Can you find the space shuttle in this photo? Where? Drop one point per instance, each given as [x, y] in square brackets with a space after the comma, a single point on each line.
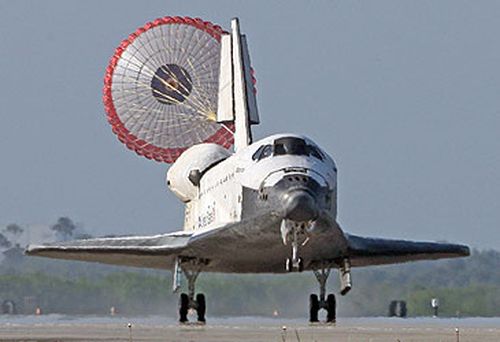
[265, 206]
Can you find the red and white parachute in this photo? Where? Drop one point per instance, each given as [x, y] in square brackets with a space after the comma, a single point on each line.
[161, 85]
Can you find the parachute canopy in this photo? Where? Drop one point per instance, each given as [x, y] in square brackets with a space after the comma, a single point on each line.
[160, 88]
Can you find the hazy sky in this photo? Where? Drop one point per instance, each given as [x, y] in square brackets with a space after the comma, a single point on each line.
[405, 95]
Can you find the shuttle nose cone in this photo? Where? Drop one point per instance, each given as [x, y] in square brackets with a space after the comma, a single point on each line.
[300, 206]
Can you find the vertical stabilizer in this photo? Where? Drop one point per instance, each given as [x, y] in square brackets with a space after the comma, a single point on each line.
[236, 98]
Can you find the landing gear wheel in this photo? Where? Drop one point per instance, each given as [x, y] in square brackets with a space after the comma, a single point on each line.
[300, 265]
[202, 308]
[331, 308]
[183, 308]
[290, 265]
[313, 308]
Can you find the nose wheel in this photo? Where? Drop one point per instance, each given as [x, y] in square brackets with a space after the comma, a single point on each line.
[292, 265]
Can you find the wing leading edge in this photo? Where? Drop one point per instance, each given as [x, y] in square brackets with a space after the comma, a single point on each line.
[371, 251]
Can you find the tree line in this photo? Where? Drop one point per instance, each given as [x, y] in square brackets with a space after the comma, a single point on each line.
[469, 287]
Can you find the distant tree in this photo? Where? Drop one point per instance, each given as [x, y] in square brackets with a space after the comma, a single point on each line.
[64, 227]
[14, 255]
[83, 236]
[4, 242]
[14, 229]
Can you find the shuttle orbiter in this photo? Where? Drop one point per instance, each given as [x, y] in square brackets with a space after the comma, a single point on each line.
[182, 91]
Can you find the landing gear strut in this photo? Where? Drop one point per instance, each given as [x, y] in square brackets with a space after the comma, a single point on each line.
[293, 232]
[191, 268]
[328, 303]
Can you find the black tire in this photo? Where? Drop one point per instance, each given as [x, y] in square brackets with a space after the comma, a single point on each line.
[392, 308]
[401, 309]
[331, 308]
[404, 310]
[183, 308]
[313, 308]
[301, 265]
[201, 307]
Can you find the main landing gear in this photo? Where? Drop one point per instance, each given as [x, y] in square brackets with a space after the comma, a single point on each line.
[325, 302]
[328, 303]
[191, 268]
[296, 233]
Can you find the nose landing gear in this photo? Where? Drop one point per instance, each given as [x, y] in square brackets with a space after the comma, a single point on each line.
[293, 232]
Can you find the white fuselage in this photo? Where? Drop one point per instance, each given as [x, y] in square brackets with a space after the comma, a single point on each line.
[219, 200]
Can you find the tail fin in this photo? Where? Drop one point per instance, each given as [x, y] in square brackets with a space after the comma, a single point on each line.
[236, 101]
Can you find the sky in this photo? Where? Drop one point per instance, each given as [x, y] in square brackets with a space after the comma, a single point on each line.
[405, 96]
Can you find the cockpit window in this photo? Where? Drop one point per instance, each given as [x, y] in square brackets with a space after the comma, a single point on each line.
[266, 152]
[293, 146]
[263, 152]
[296, 146]
[288, 146]
[257, 153]
[315, 152]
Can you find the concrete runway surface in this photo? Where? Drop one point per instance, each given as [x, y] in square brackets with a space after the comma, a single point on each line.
[62, 328]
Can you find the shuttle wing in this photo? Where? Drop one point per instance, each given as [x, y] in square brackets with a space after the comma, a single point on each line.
[243, 247]
[372, 251]
[157, 251]
[230, 248]
[253, 246]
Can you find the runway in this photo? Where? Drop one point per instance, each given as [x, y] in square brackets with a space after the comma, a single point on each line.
[64, 328]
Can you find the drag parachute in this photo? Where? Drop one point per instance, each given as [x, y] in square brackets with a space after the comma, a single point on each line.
[161, 85]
